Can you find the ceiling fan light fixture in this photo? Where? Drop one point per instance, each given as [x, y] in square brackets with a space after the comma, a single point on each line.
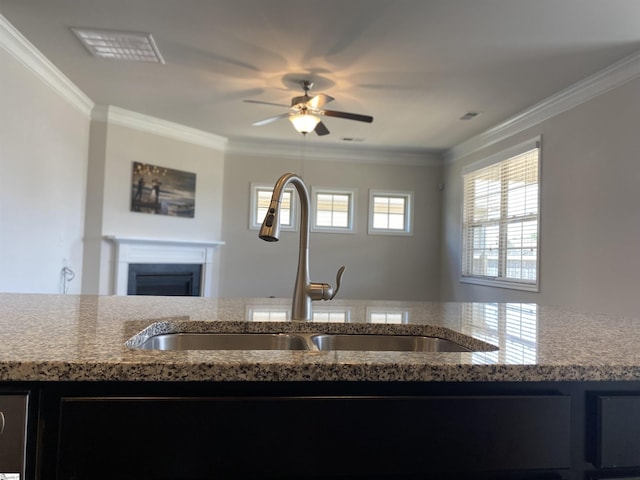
[304, 122]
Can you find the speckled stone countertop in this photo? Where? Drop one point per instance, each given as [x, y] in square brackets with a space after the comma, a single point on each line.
[91, 338]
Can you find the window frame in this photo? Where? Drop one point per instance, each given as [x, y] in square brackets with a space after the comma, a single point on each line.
[255, 223]
[501, 280]
[408, 214]
[351, 209]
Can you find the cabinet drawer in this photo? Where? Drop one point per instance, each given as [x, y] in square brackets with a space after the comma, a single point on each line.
[311, 437]
[618, 431]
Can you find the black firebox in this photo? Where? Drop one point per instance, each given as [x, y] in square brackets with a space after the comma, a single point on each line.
[165, 279]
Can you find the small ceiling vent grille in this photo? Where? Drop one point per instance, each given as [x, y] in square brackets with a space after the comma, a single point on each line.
[469, 115]
[119, 45]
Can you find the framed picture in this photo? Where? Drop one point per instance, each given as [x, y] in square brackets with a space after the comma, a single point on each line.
[162, 191]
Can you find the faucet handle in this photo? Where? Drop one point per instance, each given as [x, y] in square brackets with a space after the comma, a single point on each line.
[338, 281]
[324, 291]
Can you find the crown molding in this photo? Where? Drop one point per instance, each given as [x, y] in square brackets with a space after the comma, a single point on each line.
[13, 42]
[314, 152]
[146, 123]
[580, 92]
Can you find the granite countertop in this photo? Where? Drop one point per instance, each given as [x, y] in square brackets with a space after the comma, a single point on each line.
[82, 338]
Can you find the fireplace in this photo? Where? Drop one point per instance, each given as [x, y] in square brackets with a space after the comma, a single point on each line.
[180, 267]
[169, 279]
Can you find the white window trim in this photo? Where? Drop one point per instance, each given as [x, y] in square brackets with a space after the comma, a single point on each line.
[352, 193]
[408, 218]
[513, 284]
[255, 223]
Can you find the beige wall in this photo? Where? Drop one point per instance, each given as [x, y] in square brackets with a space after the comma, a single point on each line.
[43, 158]
[590, 210]
[126, 145]
[386, 267]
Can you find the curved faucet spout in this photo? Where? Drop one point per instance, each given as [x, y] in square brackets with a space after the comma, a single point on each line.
[270, 229]
[304, 291]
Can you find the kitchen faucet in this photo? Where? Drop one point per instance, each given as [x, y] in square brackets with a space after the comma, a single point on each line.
[304, 291]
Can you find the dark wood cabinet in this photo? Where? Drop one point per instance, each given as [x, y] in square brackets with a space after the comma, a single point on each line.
[333, 430]
[617, 431]
[310, 436]
[13, 433]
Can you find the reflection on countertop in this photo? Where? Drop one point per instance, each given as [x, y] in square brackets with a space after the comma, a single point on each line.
[77, 338]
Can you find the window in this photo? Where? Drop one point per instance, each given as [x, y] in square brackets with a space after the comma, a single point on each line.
[333, 210]
[387, 316]
[331, 315]
[260, 199]
[390, 213]
[268, 314]
[500, 219]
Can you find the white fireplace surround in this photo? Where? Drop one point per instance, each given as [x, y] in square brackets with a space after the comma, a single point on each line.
[154, 251]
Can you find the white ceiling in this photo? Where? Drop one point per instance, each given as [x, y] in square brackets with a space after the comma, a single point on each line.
[416, 66]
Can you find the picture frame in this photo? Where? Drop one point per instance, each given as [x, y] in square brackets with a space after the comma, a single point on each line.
[162, 191]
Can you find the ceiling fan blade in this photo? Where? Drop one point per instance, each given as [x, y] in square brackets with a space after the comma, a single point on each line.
[319, 100]
[348, 116]
[321, 129]
[267, 103]
[259, 123]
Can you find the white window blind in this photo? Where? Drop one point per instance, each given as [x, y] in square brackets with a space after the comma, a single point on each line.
[500, 221]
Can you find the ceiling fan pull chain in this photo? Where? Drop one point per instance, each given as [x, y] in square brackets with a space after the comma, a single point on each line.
[303, 144]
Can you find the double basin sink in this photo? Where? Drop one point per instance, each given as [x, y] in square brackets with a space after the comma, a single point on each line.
[300, 341]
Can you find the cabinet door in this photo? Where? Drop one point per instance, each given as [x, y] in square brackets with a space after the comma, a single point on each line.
[13, 427]
[310, 437]
[618, 432]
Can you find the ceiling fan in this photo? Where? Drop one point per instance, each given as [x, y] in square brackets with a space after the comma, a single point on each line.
[306, 111]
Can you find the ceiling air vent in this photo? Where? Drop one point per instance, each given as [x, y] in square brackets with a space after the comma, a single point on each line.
[469, 115]
[119, 45]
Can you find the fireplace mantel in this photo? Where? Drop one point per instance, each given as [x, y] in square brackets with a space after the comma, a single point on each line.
[147, 250]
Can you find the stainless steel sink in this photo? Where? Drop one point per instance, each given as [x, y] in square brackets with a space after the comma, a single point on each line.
[225, 341]
[380, 343]
[299, 341]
